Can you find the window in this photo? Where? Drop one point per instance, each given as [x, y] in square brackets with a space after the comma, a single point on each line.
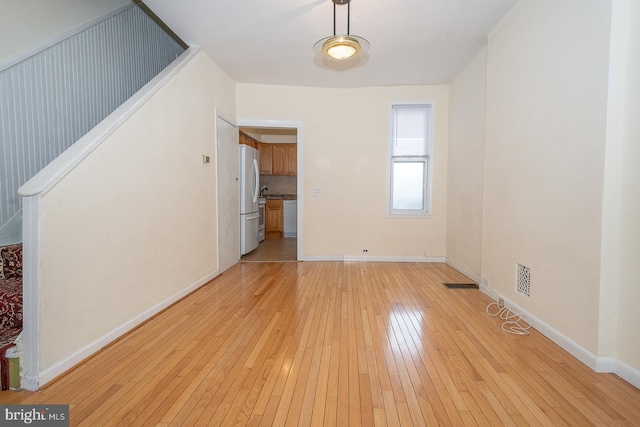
[409, 168]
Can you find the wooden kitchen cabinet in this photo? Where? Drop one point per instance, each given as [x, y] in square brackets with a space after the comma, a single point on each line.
[292, 159]
[274, 219]
[279, 159]
[275, 158]
[284, 159]
[265, 158]
[245, 139]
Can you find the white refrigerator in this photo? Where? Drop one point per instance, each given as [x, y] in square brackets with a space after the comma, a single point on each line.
[249, 192]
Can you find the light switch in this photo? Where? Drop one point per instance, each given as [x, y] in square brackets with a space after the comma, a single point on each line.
[205, 159]
[317, 191]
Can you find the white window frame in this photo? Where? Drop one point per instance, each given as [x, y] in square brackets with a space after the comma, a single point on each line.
[427, 159]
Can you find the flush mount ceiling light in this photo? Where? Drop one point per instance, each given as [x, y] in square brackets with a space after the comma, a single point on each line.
[341, 46]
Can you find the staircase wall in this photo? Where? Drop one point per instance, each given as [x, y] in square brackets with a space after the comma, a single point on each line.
[125, 222]
[50, 100]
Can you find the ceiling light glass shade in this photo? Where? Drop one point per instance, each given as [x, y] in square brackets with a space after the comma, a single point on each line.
[341, 46]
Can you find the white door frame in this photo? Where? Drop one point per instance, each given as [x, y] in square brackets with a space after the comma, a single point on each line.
[290, 124]
[219, 211]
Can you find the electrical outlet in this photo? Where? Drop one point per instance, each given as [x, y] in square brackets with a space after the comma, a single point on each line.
[365, 250]
[500, 302]
[317, 191]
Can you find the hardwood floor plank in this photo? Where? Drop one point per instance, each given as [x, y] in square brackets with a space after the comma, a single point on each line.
[286, 398]
[277, 371]
[342, 410]
[321, 387]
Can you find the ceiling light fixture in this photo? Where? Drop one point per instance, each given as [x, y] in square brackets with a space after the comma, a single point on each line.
[341, 46]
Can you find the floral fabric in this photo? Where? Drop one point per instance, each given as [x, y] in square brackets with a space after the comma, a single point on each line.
[11, 302]
[10, 288]
[11, 260]
[8, 335]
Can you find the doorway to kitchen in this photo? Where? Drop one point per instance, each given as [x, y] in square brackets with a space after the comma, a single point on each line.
[273, 250]
[279, 144]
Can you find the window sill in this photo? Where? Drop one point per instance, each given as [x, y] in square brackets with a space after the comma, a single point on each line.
[396, 214]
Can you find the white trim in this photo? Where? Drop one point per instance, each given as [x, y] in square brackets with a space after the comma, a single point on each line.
[569, 345]
[370, 258]
[224, 117]
[80, 355]
[51, 174]
[597, 364]
[216, 150]
[606, 364]
[23, 56]
[488, 291]
[471, 275]
[561, 340]
[299, 126]
[324, 258]
[627, 373]
[216, 144]
[30, 289]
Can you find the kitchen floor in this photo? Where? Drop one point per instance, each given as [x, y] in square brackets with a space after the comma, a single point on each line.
[284, 249]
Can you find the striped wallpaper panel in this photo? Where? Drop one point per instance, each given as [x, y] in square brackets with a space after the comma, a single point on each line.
[50, 100]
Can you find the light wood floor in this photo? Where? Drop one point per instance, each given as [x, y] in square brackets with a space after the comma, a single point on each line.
[321, 343]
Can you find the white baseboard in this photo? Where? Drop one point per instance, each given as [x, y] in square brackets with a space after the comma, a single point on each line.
[324, 258]
[606, 364]
[29, 382]
[488, 291]
[69, 362]
[561, 340]
[628, 373]
[597, 364]
[371, 258]
[471, 275]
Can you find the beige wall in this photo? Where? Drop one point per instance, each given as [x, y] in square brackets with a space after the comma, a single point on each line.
[466, 166]
[346, 137]
[134, 224]
[25, 24]
[628, 339]
[547, 67]
[224, 95]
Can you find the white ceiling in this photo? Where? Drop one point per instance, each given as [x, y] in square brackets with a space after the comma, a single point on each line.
[413, 42]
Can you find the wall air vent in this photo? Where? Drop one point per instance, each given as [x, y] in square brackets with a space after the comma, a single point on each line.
[523, 279]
